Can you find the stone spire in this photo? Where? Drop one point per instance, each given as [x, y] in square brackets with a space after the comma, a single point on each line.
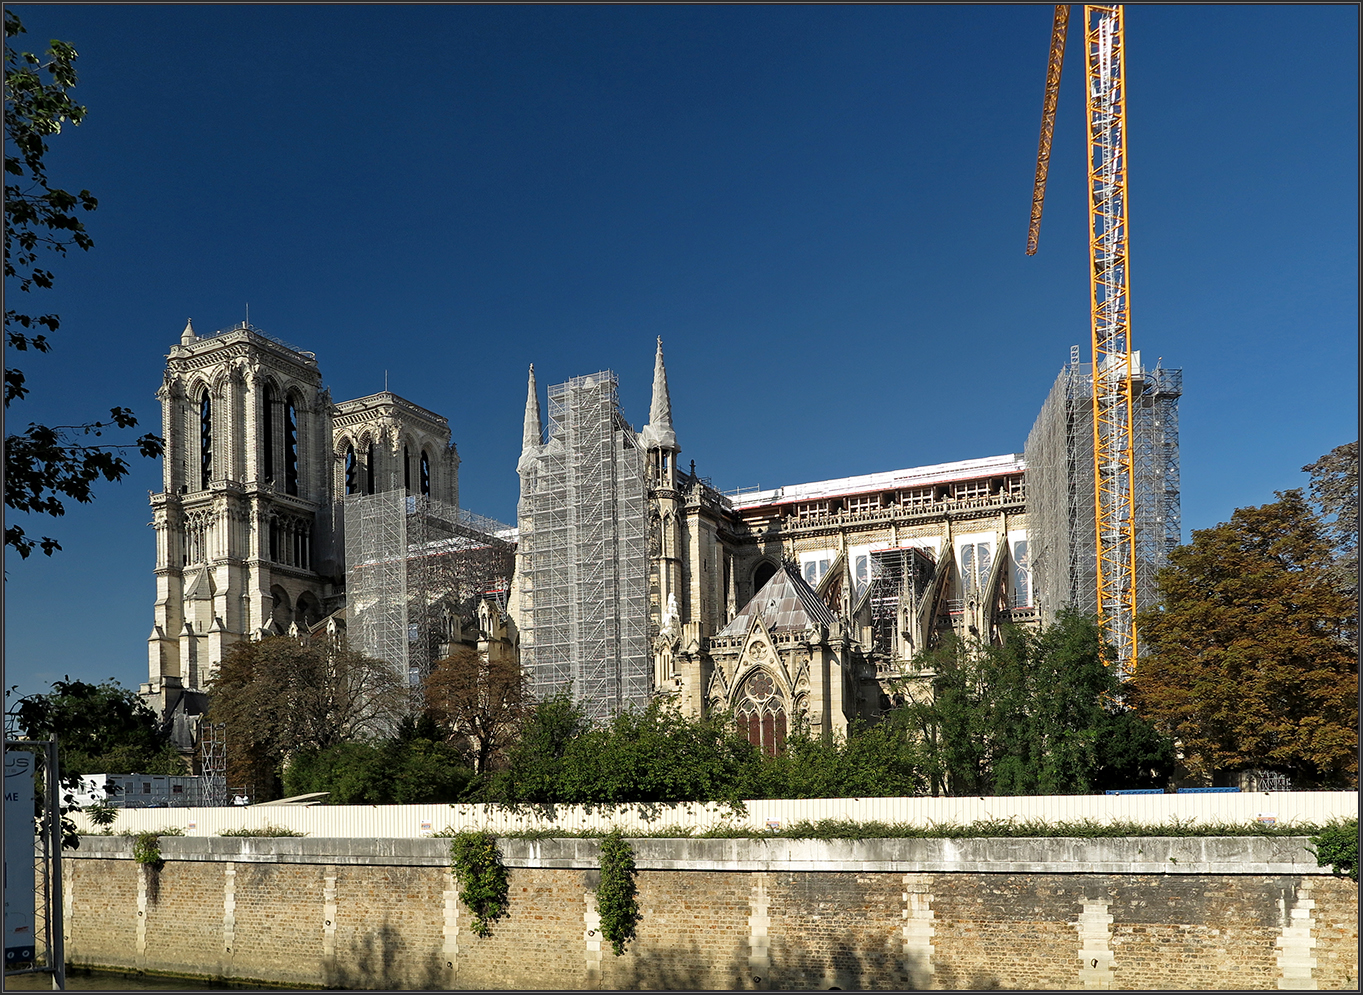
[532, 437]
[187, 337]
[658, 433]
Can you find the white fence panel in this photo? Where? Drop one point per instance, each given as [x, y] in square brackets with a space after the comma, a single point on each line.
[398, 821]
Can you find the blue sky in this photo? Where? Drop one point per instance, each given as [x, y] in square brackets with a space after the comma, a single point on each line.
[822, 211]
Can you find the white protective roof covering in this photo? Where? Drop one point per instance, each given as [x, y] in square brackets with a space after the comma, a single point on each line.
[919, 476]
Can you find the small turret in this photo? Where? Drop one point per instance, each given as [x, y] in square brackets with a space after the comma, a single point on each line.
[187, 337]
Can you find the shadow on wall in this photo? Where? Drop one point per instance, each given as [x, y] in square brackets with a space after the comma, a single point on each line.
[688, 968]
[382, 960]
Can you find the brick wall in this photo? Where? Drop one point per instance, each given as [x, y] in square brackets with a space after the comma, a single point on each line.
[729, 914]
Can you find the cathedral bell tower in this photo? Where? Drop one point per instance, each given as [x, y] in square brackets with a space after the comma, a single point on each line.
[243, 531]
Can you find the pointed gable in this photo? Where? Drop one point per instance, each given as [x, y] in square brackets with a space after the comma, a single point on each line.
[786, 603]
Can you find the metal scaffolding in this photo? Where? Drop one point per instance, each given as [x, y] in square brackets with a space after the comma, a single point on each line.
[900, 578]
[416, 569]
[587, 553]
[1060, 509]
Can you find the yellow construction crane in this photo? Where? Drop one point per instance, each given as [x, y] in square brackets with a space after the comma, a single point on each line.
[1114, 378]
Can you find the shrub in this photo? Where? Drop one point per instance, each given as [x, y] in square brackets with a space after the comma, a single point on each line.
[1337, 845]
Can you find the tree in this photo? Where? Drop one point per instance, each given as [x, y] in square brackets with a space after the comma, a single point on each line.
[100, 728]
[535, 761]
[1334, 492]
[1249, 663]
[480, 700]
[1043, 713]
[281, 695]
[46, 464]
[413, 768]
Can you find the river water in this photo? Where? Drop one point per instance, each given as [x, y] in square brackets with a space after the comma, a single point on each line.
[99, 981]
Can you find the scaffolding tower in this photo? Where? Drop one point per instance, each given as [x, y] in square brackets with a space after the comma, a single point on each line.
[900, 579]
[416, 570]
[1060, 510]
[587, 553]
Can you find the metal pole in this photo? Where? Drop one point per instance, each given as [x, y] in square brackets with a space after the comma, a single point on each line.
[56, 927]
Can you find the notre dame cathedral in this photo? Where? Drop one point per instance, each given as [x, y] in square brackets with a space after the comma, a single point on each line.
[625, 577]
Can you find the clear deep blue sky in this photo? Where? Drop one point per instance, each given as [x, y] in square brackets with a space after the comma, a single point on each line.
[822, 211]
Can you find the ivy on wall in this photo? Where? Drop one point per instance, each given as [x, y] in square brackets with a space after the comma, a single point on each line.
[483, 884]
[616, 897]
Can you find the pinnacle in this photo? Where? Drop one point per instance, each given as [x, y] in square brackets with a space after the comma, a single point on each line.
[533, 433]
[658, 433]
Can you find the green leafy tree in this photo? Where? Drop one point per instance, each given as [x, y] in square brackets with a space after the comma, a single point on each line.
[535, 761]
[1040, 714]
[46, 465]
[1250, 663]
[280, 695]
[101, 729]
[871, 761]
[414, 768]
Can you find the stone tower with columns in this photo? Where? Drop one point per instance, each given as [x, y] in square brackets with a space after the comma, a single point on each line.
[243, 521]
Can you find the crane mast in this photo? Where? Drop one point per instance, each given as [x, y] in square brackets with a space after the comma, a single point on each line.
[1114, 379]
[1113, 376]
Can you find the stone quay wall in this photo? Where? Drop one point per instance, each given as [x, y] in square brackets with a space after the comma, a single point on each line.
[763, 914]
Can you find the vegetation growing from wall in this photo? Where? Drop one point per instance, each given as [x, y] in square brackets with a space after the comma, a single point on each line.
[847, 829]
[1337, 846]
[616, 897]
[482, 878]
[263, 832]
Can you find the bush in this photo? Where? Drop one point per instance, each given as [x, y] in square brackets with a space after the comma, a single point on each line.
[397, 771]
[1337, 845]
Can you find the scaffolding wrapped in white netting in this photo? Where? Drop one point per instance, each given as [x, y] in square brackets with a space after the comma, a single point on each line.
[416, 569]
[1060, 499]
[587, 551]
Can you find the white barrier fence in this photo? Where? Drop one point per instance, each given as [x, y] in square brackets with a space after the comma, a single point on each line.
[1282, 808]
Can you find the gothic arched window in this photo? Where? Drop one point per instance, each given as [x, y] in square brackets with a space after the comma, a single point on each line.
[369, 469]
[761, 713]
[205, 440]
[290, 447]
[425, 474]
[268, 448]
[352, 476]
[406, 470]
